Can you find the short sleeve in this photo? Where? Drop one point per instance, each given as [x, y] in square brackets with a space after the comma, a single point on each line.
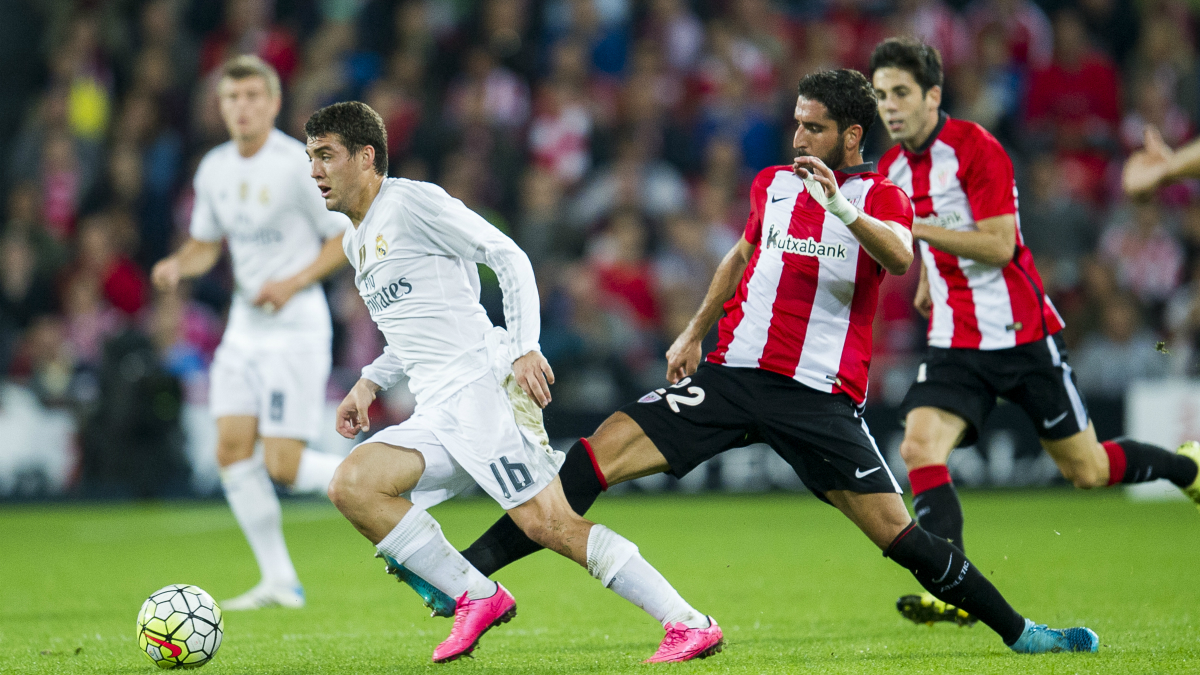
[204, 225]
[987, 178]
[886, 201]
[758, 201]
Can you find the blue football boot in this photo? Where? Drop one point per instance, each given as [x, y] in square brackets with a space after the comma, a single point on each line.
[1038, 639]
[439, 602]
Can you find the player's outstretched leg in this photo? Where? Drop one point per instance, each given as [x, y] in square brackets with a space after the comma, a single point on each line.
[366, 488]
[547, 518]
[1131, 461]
[946, 572]
[943, 570]
[504, 543]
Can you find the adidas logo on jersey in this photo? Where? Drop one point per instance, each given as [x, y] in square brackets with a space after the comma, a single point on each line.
[789, 244]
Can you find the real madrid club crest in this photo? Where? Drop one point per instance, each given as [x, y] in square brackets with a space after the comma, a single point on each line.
[380, 247]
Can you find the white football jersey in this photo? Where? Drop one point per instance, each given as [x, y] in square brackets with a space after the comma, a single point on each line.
[272, 214]
[414, 256]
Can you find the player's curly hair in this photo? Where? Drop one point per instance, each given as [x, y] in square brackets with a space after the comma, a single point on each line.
[916, 58]
[356, 124]
[845, 93]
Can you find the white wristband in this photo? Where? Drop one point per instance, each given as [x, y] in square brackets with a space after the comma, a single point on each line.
[842, 208]
[838, 205]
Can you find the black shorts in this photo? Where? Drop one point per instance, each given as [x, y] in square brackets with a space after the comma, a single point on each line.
[1035, 376]
[821, 435]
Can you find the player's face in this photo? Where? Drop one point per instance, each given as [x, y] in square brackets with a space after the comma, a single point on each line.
[817, 134]
[909, 114]
[248, 107]
[334, 169]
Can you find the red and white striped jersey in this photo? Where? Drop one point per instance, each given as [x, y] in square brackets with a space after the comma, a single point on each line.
[962, 176]
[806, 301]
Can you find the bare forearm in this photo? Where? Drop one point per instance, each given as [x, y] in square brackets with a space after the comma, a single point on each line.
[985, 247]
[197, 257]
[1184, 163]
[724, 283]
[882, 241]
[331, 259]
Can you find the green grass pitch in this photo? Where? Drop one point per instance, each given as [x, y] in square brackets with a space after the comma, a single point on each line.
[795, 587]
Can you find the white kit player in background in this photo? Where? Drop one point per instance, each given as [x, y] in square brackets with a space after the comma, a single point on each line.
[479, 389]
[271, 369]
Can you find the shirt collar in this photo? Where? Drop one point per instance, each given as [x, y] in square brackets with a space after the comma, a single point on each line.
[865, 167]
[942, 117]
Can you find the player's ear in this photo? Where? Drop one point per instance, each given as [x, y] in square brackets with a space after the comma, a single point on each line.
[367, 157]
[852, 138]
[934, 95]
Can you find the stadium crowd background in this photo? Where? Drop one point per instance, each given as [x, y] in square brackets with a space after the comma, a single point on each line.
[614, 140]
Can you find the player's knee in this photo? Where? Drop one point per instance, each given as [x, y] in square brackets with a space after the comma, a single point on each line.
[233, 450]
[346, 488]
[1084, 474]
[920, 450]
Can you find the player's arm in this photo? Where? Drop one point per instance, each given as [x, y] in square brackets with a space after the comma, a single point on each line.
[923, 301]
[684, 355]
[1157, 164]
[192, 259]
[889, 243]
[383, 373]
[275, 294]
[463, 232]
[993, 244]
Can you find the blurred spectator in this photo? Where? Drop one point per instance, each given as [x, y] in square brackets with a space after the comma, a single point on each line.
[1147, 259]
[1026, 30]
[935, 24]
[1058, 227]
[1075, 98]
[672, 24]
[625, 279]
[249, 28]
[25, 220]
[489, 90]
[117, 279]
[26, 293]
[1107, 362]
[560, 134]
[633, 180]
[1154, 106]
[1166, 57]
[540, 229]
[1112, 25]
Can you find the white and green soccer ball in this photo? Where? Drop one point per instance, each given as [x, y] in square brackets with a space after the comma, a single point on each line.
[180, 626]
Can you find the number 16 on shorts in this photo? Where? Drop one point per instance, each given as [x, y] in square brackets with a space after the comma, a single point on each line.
[517, 473]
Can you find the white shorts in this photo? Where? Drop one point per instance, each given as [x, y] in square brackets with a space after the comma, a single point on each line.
[485, 433]
[285, 390]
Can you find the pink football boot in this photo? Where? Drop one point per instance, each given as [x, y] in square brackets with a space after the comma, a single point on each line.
[684, 644]
[473, 618]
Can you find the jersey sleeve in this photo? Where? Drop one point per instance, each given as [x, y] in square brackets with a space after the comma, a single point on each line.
[204, 225]
[758, 201]
[446, 224]
[886, 201]
[987, 178]
[385, 371]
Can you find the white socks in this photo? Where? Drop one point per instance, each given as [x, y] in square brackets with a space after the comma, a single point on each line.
[615, 561]
[252, 499]
[315, 471]
[417, 543]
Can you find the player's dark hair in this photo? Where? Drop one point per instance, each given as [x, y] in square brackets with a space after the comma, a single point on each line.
[356, 125]
[916, 58]
[845, 93]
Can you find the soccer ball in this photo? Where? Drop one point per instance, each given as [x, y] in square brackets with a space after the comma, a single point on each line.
[180, 626]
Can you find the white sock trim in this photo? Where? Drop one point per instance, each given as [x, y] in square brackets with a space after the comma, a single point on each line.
[414, 530]
[607, 553]
[315, 471]
[242, 469]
